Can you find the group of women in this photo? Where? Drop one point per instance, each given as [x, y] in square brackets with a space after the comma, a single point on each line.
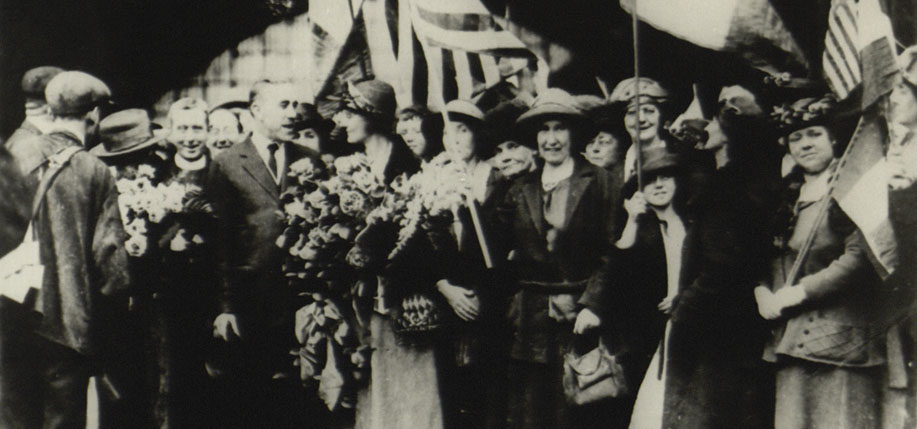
[680, 258]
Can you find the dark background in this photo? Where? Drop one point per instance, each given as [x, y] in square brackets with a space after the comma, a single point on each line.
[143, 48]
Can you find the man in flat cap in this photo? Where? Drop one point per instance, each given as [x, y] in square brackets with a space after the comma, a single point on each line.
[46, 365]
[37, 113]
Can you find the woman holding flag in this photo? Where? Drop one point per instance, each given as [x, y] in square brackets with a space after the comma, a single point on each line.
[824, 292]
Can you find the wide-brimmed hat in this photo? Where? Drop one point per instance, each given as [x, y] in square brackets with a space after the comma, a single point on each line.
[501, 120]
[804, 113]
[609, 118]
[553, 102]
[656, 162]
[126, 132]
[626, 90]
[463, 110]
[371, 97]
[307, 116]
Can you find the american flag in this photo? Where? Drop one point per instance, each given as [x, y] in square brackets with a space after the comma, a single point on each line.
[434, 51]
[841, 61]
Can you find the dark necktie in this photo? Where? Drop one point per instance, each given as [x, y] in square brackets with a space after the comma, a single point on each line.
[272, 157]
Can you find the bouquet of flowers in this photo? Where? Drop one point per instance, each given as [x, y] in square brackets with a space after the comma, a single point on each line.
[152, 212]
[326, 213]
[422, 211]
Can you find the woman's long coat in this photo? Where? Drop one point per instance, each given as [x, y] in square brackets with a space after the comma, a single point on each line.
[716, 378]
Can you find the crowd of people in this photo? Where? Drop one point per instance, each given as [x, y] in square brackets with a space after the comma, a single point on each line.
[584, 223]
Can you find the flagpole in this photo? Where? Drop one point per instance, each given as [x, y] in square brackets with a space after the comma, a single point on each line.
[819, 218]
[636, 142]
[362, 61]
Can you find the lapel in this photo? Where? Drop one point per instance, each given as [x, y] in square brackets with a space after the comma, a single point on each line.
[534, 199]
[582, 176]
[254, 165]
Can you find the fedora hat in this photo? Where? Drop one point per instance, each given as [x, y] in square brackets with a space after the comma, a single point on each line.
[125, 132]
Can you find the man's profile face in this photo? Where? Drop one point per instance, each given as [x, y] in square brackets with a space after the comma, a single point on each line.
[275, 109]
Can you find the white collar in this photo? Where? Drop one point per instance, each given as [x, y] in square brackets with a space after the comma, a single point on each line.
[197, 164]
[551, 176]
[814, 188]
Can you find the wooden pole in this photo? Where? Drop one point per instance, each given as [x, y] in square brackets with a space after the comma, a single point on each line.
[639, 164]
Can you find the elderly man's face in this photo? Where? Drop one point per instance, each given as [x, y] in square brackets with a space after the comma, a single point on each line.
[275, 109]
[225, 131]
[513, 159]
[189, 133]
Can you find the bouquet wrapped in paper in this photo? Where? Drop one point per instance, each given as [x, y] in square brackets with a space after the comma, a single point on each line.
[325, 212]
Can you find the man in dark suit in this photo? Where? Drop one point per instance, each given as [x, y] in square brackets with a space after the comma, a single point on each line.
[256, 319]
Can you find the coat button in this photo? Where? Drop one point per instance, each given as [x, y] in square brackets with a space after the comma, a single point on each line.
[811, 319]
[806, 332]
[799, 346]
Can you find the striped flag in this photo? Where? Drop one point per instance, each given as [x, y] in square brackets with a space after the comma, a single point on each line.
[750, 28]
[861, 190]
[434, 51]
[462, 26]
[840, 61]
[859, 49]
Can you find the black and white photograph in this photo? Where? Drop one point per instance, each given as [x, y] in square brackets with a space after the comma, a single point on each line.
[458, 214]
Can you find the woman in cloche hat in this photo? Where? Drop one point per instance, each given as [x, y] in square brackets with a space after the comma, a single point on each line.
[646, 130]
[559, 222]
[650, 264]
[368, 117]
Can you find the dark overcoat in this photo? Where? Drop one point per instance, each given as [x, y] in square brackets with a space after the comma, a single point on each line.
[716, 378]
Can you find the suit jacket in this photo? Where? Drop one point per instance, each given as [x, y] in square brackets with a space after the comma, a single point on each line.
[246, 201]
[82, 244]
[839, 322]
[582, 254]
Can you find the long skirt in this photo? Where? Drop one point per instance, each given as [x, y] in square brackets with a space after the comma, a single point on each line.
[649, 406]
[819, 396]
[404, 387]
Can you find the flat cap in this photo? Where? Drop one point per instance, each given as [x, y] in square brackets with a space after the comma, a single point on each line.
[36, 80]
[73, 93]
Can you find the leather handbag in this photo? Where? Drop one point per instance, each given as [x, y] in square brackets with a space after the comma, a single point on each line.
[593, 376]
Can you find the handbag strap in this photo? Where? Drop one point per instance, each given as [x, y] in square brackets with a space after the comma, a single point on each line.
[56, 163]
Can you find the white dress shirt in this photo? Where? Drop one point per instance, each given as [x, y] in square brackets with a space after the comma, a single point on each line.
[261, 146]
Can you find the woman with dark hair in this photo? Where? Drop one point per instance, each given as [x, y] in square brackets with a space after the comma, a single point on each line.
[422, 132]
[368, 117]
[829, 346]
[473, 362]
[559, 223]
[714, 375]
[312, 130]
[646, 281]
[607, 149]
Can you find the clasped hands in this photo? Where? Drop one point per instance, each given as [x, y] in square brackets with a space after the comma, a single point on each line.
[771, 305]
